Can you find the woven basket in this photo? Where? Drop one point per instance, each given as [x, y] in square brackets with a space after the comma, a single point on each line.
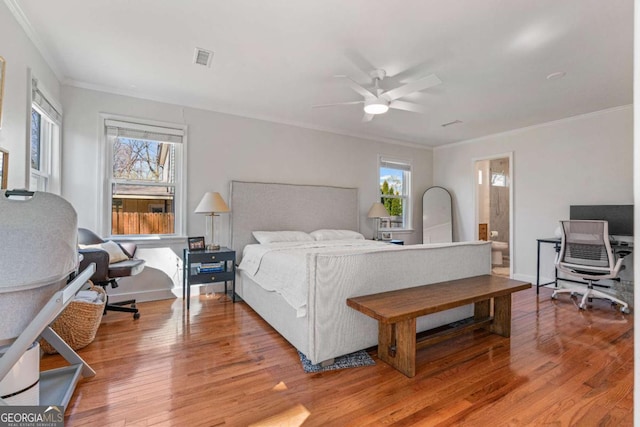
[78, 323]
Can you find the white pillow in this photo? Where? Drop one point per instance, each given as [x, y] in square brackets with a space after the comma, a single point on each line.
[281, 236]
[112, 248]
[336, 235]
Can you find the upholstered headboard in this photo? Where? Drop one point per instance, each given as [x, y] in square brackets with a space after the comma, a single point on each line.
[259, 206]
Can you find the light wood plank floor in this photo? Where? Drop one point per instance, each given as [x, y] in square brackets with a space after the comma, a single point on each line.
[221, 364]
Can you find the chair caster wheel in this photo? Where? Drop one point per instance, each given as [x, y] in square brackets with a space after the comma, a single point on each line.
[582, 306]
[554, 296]
[136, 316]
[625, 310]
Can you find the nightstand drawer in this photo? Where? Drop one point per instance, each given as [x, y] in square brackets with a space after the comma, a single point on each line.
[222, 276]
[206, 257]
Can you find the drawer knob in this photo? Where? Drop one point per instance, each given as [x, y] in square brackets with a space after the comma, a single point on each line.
[213, 257]
[213, 278]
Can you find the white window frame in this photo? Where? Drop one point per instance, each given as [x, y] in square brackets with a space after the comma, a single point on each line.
[48, 177]
[388, 161]
[105, 162]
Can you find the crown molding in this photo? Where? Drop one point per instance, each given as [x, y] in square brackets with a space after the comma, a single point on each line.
[537, 126]
[270, 119]
[34, 36]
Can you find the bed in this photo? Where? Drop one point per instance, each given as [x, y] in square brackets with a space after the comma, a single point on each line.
[319, 323]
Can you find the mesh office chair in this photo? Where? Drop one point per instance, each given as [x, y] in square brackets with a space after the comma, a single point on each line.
[586, 253]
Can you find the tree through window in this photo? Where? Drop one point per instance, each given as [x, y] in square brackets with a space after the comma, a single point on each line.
[143, 170]
[395, 182]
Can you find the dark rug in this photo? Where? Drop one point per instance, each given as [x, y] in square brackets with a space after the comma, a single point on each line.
[353, 360]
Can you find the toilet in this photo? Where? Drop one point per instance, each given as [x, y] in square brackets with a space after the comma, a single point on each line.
[497, 249]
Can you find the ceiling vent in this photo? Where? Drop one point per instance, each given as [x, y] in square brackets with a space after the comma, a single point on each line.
[203, 57]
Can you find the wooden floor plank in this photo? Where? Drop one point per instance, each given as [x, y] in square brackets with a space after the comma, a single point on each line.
[220, 364]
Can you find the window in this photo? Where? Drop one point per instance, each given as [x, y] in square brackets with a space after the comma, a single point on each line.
[44, 142]
[395, 192]
[144, 175]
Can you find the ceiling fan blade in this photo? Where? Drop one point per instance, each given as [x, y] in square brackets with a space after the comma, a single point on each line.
[408, 106]
[356, 86]
[422, 84]
[360, 62]
[338, 103]
[367, 117]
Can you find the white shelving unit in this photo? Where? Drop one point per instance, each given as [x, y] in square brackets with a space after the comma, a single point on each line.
[56, 385]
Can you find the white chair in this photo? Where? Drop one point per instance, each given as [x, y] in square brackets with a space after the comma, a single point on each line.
[586, 253]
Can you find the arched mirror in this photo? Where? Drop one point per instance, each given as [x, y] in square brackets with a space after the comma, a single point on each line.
[437, 222]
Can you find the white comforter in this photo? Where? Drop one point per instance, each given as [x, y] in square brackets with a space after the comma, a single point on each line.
[282, 267]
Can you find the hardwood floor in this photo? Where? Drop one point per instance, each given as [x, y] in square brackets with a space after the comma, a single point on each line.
[221, 364]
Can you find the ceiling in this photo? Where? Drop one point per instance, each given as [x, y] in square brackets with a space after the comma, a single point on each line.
[275, 59]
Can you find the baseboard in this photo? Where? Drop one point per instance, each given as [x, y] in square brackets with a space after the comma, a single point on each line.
[142, 296]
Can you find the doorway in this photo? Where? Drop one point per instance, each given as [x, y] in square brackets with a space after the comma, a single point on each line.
[493, 195]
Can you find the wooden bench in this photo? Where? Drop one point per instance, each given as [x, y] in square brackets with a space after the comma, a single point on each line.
[396, 312]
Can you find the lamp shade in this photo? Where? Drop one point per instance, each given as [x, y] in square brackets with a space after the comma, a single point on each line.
[377, 211]
[211, 203]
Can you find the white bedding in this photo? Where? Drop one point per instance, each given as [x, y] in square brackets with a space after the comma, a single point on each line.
[283, 267]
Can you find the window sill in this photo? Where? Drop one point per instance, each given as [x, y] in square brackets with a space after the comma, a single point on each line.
[397, 230]
[151, 241]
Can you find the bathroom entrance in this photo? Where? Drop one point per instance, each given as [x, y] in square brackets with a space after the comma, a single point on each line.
[493, 197]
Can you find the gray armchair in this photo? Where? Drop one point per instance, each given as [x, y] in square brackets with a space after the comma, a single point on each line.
[107, 274]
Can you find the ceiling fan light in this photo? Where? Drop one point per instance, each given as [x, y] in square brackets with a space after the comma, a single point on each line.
[376, 106]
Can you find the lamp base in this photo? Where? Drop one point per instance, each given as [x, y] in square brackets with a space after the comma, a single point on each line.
[212, 247]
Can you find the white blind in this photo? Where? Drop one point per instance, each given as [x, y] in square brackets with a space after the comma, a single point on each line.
[40, 99]
[116, 128]
[385, 163]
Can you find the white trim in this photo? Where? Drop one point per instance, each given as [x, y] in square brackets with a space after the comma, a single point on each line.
[536, 126]
[180, 131]
[264, 118]
[474, 176]
[180, 202]
[34, 36]
[27, 158]
[50, 147]
[408, 225]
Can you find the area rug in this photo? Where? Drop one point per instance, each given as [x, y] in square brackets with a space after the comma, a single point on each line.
[353, 360]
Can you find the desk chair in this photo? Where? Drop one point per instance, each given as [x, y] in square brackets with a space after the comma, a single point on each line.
[107, 273]
[585, 252]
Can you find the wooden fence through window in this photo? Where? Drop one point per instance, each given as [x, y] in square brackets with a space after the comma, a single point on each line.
[142, 223]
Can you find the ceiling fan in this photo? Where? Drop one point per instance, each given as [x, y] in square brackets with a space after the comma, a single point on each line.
[377, 101]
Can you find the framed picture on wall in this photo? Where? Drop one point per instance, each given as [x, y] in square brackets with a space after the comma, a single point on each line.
[2, 68]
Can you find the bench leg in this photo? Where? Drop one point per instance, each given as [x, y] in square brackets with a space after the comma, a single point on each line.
[397, 345]
[482, 310]
[501, 324]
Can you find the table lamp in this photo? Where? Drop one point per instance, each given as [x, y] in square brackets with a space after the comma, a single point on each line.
[211, 204]
[377, 211]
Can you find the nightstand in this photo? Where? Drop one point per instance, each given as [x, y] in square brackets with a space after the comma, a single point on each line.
[204, 266]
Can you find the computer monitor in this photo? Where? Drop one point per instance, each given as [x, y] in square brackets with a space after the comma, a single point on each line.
[620, 217]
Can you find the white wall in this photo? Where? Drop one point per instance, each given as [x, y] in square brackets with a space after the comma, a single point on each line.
[223, 147]
[19, 54]
[581, 160]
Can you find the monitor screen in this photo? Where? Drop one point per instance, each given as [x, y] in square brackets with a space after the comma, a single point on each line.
[620, 217]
